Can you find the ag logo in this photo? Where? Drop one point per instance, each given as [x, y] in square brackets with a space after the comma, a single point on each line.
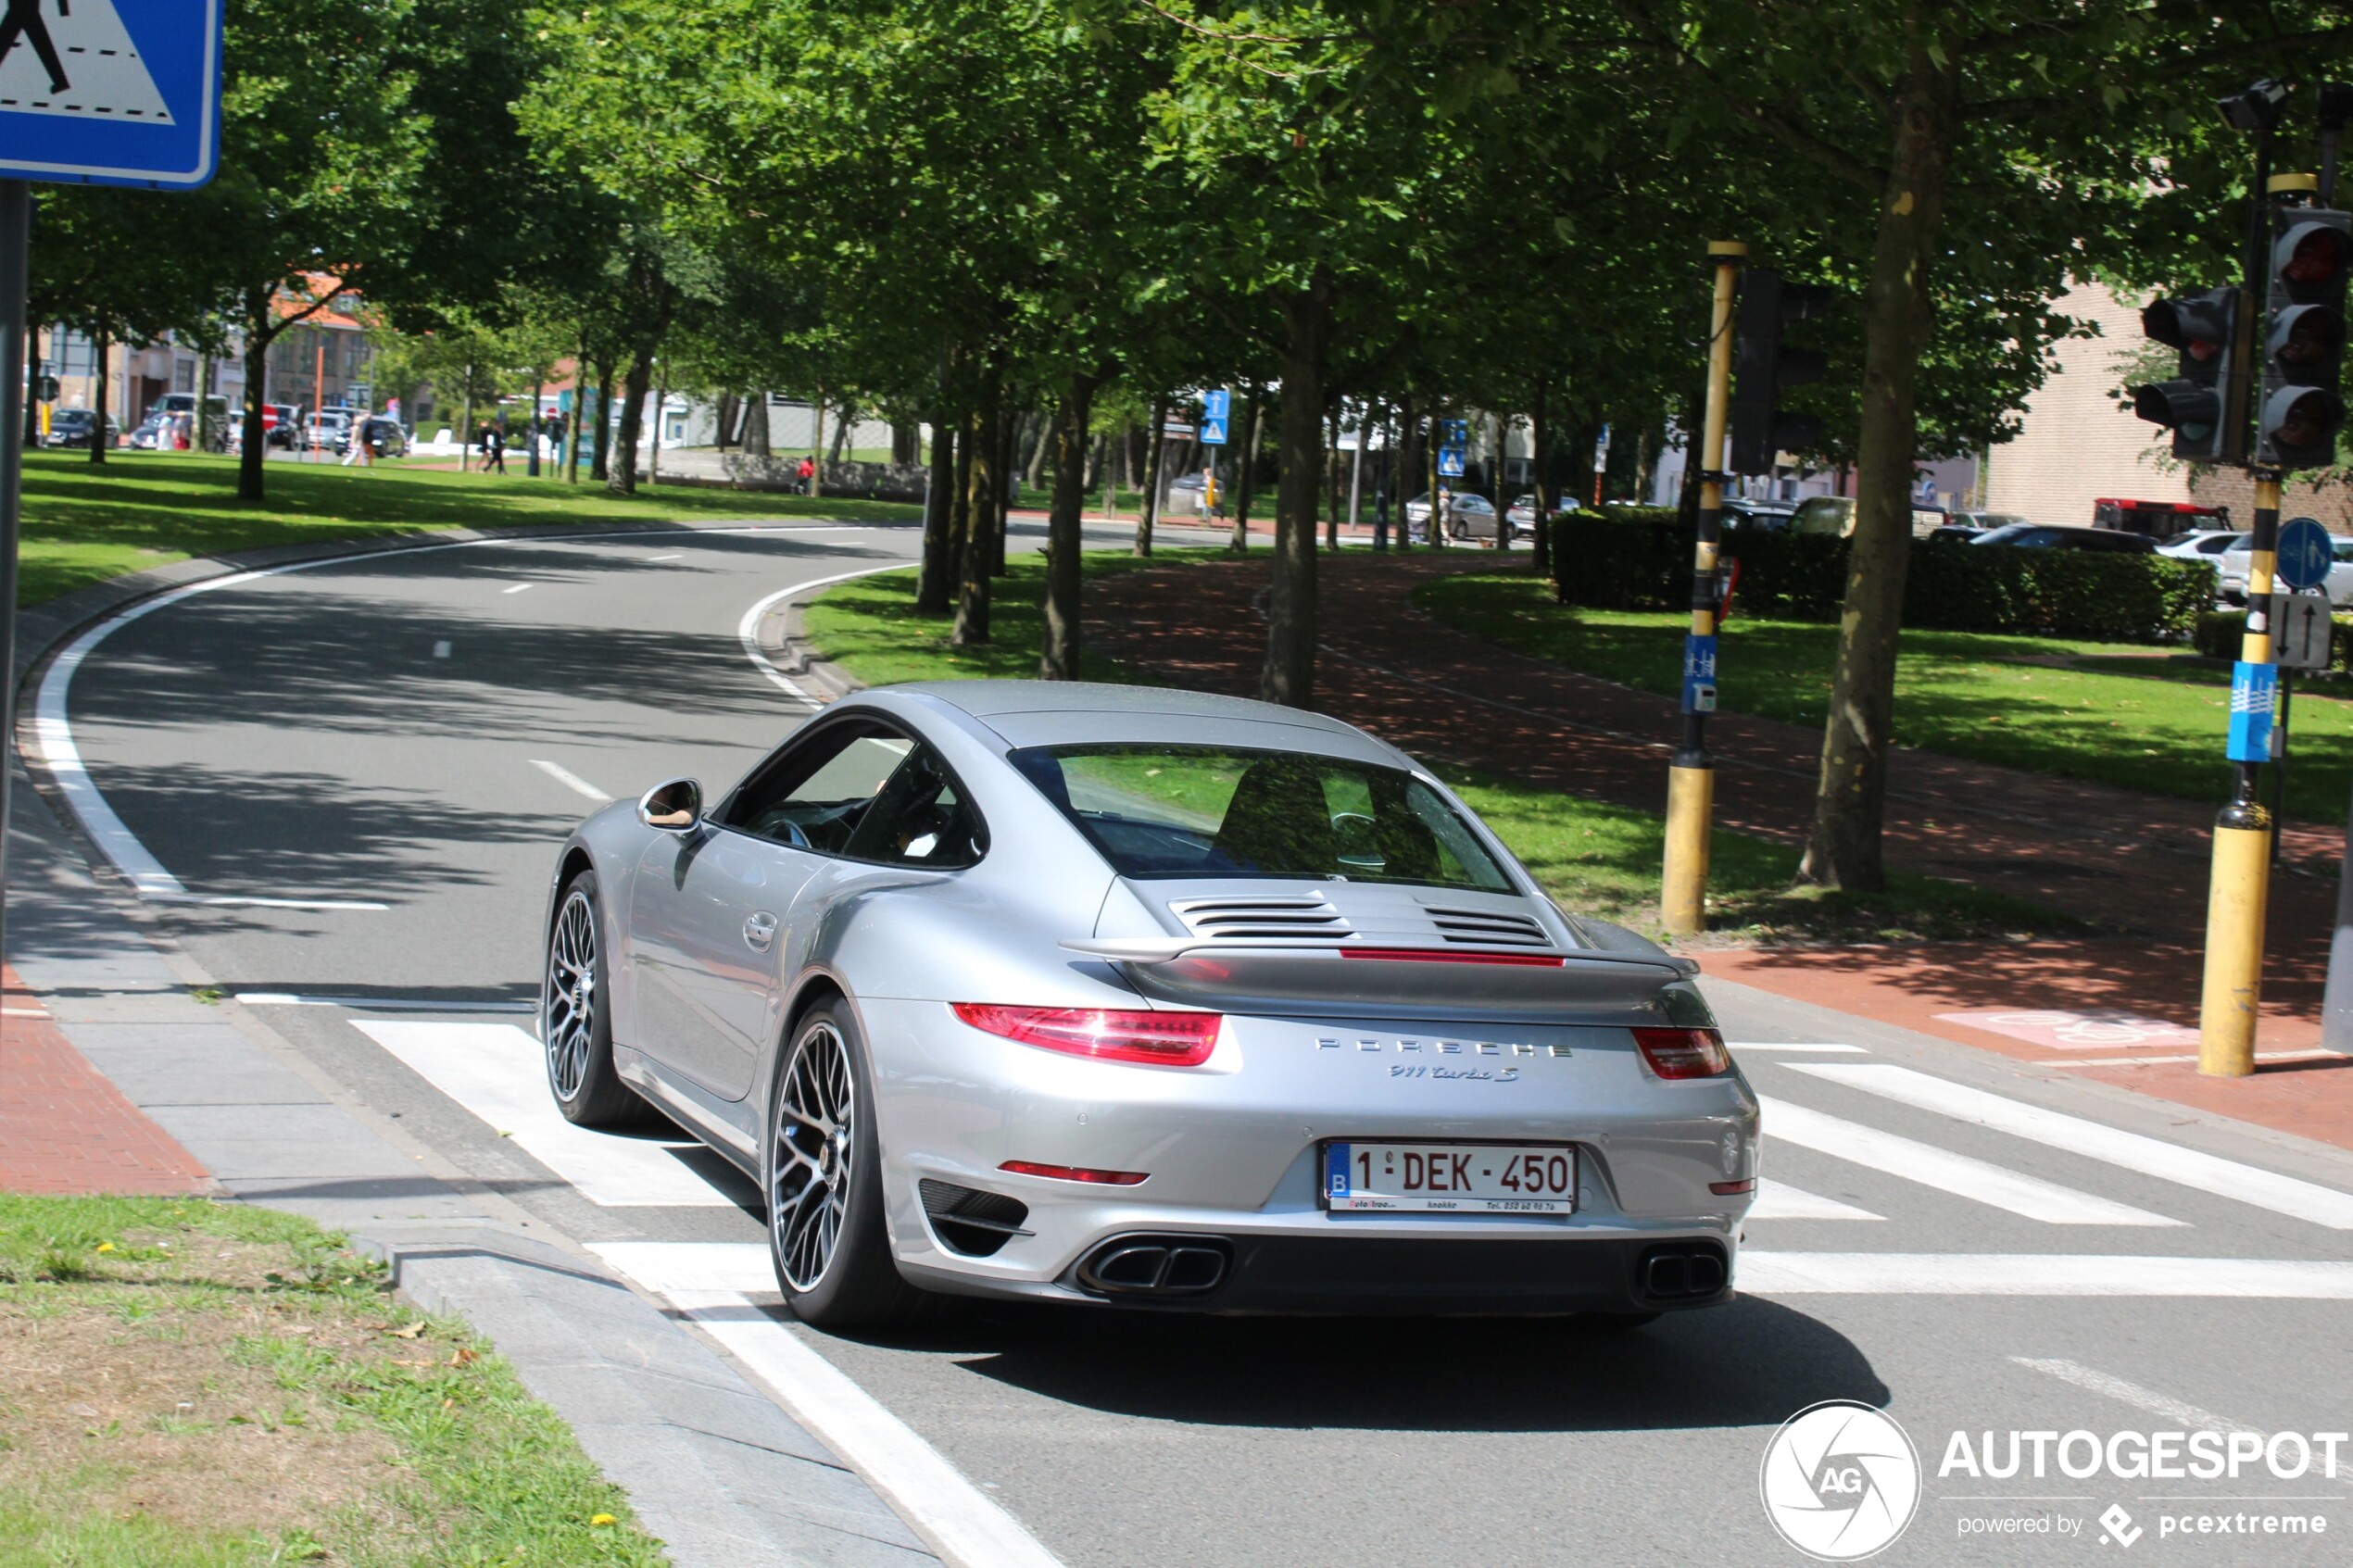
[1841, 1480]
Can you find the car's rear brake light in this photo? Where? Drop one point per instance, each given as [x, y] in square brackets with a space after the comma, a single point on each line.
[1162, 1039]
[1732, 1189]
[1684, 1053]
[1440, 955]
[1074, 1174]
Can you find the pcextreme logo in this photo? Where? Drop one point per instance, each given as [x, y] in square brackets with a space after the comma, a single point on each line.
[1840, 1481]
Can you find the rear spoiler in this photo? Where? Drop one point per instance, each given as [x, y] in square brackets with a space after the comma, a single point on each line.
[1314, 977]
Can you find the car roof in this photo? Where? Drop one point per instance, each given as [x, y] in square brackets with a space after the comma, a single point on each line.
[1075, 712]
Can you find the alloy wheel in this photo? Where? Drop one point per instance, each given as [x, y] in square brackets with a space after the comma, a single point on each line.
[568, 998]
[817, 1123]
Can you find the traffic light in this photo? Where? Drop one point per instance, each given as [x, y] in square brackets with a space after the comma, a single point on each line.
[2304, 339]
[1763, 367]
[2206, 405]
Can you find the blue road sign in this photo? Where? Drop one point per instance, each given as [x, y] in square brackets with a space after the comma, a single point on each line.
[2306, 551]
[1457, 432]
[1212, 431]
[1450, 462]
[1216, 405]
[110, 92]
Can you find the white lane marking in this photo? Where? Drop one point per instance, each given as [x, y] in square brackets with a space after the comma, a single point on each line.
[708, 1283]
[232, 902]
[496, 1072]
[2095, 1140]
[569, 780]
[2039, 1274]
[2160, 1060]
[441, 649]
[747, 629]
[1779, 1201]
[674, 555]
[1792, 1045]
[1957, 1174]
[373, 1004]
[22, 1012]
[53, 724]
[2123, 1391]
[519, 588]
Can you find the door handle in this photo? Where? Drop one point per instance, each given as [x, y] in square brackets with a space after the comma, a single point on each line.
[760, 930]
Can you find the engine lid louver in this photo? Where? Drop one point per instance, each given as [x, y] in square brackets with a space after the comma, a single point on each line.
[1487, 928]
[1274, 918]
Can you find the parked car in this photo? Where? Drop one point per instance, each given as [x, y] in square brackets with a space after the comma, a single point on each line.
[1521, 514]
[1836, 514]
[384, 436]
[2234, 562]
[1762, 517]
[1984, 521]
[2040, 536]
[281, 424]
[214, 438]
[1474, 516]
[72, 427]
[2204, 543]
[1958, 534]
[148, 435]
[327, 431]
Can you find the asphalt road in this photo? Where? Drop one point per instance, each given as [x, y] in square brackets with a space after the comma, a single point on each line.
[416, 731]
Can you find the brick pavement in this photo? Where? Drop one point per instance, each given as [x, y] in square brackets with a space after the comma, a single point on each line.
[64, 1126]
[2134, 863]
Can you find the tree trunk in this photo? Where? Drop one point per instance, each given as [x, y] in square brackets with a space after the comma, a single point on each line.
[1003, 512]
[574, 420]
[1540, 464]
[1437, 521]
[1851, 796]
[934, 582]
[621, 474]
[662, 400]
[99, 352]
[960, 504]
[1037, 440]
[730, 406]
[258, 340]
[465, 419]
[1058, 658]
[1290, 675]
[906, 444]
[980, 529]
[600, 466]
[1402, 471]
[1148, 515]
[756, 426]
[845, 422]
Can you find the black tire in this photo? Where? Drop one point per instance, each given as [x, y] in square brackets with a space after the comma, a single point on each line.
[575, 1017]
[827, 1236]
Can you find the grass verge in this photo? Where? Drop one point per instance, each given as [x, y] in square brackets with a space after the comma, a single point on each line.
[86, 523]
[2153, 725]
[190, 1385]
[1596, 858]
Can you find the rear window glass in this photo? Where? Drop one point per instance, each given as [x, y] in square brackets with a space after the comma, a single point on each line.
[1181, 811]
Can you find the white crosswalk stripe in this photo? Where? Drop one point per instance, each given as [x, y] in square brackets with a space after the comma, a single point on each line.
[1779, 1201]
[2096, 1140]
[1958, 1174]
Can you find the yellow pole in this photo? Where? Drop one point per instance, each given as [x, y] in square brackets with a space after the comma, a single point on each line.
[2241, 882]
[1691, 776]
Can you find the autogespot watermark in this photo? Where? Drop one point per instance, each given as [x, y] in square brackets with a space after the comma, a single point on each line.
[1840, 1481]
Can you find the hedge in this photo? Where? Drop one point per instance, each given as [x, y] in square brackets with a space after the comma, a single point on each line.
[2218, 631]
[1638, 558]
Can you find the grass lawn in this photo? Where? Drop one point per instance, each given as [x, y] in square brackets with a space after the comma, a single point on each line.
[1594, 858]
[2153, 724]
[190, 1385]
[83, 524]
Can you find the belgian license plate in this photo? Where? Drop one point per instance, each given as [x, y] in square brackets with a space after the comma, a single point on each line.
[1451, 1178]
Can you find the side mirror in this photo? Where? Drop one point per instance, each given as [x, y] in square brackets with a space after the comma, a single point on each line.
[672, 806]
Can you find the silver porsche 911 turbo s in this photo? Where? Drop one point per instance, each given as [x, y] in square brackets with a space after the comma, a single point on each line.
[1149, 999]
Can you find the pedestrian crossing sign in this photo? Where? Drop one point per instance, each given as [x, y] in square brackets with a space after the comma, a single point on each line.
[1450, 462]
[1213, 433]
[110, 92]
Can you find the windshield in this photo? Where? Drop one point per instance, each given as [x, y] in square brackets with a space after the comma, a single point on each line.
[1187, 810]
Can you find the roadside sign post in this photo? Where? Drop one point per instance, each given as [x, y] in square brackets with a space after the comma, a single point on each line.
[2302, 640]
[1216, 410]
[86, 101]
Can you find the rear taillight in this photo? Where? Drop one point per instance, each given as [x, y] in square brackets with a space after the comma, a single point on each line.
[1076, 1173]
[1437, 955]
[1684, 1053]
[1733, 1190]
[1162, 1039]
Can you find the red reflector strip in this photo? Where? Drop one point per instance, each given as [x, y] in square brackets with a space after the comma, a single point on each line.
[1158, 1040]
[1684, 1053]
[1732, 1189]
[1074, 1173]
[1436, 955]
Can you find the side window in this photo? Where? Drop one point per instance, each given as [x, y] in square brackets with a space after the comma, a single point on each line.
[920, 819]
[815, 795]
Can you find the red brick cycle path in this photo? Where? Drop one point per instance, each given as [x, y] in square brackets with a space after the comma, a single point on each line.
[64, 1127]
[2135, 863]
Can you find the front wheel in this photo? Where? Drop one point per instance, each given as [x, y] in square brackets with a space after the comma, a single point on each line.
[1460, 531]
[826, 1235]
[576, 1018]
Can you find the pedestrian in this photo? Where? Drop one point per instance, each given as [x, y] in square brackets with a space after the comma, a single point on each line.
[493, 449]
[807, 474]
[355, 447]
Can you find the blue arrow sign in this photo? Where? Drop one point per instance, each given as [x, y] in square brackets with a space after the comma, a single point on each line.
[2306, 551]
[110, 92]
[1457, 431]
[1213, 432]
[1450, 462]
[1216, 405]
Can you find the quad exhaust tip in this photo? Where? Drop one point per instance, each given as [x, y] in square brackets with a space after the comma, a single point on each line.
[1681, 1273]
[1157, 1266]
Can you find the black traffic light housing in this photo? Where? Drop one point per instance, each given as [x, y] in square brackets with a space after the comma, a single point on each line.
[2205, 406]
[2303, 406]
[1763, 367]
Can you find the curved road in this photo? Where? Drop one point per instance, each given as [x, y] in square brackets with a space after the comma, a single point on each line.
[349, 777]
